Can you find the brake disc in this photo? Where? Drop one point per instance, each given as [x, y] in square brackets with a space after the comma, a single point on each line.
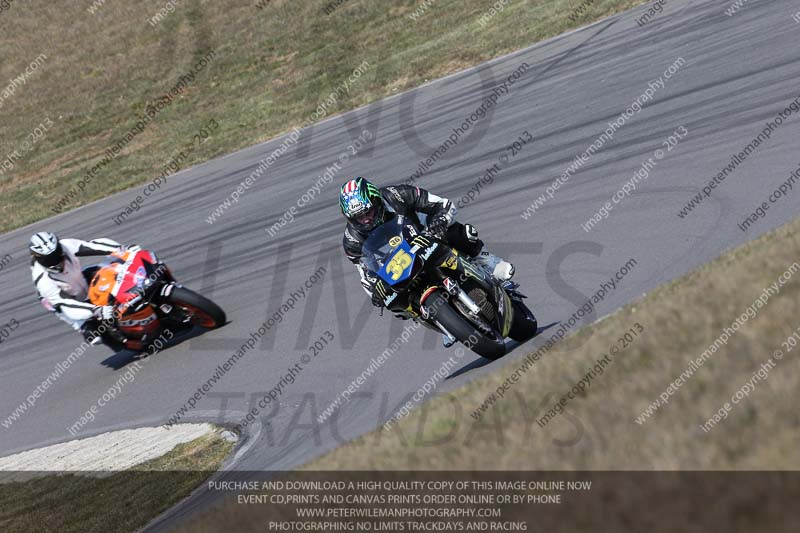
[487, 309]
[481, 323]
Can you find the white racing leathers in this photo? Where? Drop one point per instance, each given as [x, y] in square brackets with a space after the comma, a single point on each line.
[65, 293]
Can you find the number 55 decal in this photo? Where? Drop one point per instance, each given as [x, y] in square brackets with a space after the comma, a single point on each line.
[398, 264]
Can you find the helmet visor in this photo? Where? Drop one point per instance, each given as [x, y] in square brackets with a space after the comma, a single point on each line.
[367, 219]
[53, 261]
[58, 267]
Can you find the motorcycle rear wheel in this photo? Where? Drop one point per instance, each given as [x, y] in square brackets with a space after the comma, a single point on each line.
[463, 330]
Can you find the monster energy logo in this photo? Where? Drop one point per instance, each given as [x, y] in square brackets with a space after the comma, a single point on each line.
[371, 189]
[471, 270]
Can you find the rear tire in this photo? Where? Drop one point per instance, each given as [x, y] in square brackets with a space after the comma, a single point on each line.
[524, 326]
[205, 313]
[462, 329]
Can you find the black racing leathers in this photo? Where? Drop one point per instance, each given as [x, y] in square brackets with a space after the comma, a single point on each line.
[411, 202]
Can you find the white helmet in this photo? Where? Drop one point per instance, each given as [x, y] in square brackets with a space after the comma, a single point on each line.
[46, 249]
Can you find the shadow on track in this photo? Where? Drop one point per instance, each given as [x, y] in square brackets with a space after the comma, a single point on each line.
[120, 360]
[510, 346]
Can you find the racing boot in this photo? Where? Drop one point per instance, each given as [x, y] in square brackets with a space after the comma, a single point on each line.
[499, 268]
[448, 340]
[95, 335]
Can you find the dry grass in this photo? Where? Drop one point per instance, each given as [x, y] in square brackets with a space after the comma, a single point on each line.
[125, 501]
[272, 66]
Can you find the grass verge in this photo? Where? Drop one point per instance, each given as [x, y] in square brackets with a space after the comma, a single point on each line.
[273, 63]
[124, 501]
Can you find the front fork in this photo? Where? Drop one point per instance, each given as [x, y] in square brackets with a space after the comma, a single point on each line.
[454, 291]
[453, 263]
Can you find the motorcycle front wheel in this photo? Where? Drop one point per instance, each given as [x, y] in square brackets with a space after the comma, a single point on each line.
[463, 330]
[200, 310]
[524, 327]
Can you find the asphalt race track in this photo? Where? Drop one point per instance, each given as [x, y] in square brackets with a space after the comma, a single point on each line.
[735, 74]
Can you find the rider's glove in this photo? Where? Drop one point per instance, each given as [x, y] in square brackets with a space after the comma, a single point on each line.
[104, 312]
[130, 248]
[378, 293]
[377, 301]
[437, 226]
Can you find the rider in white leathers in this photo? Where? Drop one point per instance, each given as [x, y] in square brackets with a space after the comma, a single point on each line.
[63, 286]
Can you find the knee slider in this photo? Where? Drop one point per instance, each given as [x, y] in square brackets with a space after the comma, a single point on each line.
[471, 233]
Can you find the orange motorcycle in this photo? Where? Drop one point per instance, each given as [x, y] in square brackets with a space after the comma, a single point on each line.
[147, 299]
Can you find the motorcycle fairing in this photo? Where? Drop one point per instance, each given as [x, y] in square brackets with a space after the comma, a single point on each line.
[399, 265]
[120, 281]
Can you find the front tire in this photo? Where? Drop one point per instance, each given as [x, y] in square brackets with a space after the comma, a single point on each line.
[463, 330]
[202, 311]
[524, 326]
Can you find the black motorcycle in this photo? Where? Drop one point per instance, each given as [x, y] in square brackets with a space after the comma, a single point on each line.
[423, 278]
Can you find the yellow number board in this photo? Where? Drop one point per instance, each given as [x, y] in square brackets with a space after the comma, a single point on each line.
[398, 264]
